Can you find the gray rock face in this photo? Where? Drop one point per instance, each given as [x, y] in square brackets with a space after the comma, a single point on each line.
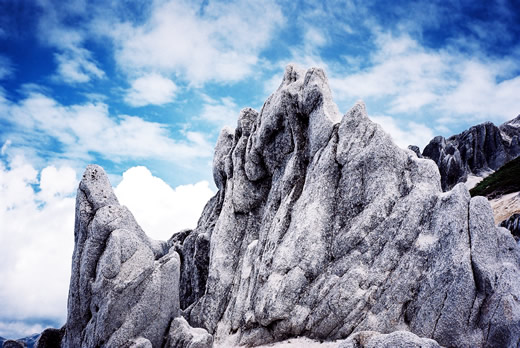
[372, 339]
[321, 227]
[13, 344]
[182, 335]
[124, 287]
[331, 232]
[513, 225]
[50, 338]
[477, 150]
[416, 150]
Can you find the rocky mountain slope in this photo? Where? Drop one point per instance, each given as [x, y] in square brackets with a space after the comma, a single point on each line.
[477, 151]
[321, 228]
[502, 188]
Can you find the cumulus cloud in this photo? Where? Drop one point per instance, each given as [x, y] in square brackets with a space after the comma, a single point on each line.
[408, 77]
[405, 133]
[218, 41]
[158, 208]
[151, 89]
[83, 129]
[36, 242]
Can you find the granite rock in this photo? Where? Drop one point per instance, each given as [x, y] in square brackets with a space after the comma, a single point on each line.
[324, 233]
[476, 151]
[321, 227]
[512, 224]
[372, 339]
[124, 287]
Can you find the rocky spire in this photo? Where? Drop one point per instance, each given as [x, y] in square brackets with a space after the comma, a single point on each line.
[322, 227]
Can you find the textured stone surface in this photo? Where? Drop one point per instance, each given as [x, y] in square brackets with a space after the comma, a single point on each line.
[513, 225]
[182, 335]
[50, 338]
[476, 151]
[372, 339]
[416, 150]
[321, 228]
[123, 286]
[13, 344]
[330, 232]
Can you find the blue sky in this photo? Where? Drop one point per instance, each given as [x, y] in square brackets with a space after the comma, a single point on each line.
[143, 88]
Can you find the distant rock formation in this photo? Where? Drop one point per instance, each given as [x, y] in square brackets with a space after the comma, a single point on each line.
[513, 225]
[321, 227]
[14, 344]
[476, 151]
[50, 338]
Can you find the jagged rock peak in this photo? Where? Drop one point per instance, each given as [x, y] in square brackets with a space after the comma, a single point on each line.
[322, 227]
[330, 231]
[477, 151]
[124, 288]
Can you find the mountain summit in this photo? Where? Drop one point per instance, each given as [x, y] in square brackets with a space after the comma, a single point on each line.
[321, 227]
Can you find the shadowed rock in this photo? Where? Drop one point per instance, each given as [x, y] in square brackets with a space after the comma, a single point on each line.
[50, 338]
[476, 151]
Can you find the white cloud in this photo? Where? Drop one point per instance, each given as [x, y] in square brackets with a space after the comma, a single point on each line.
[151, 89]
[409, 78]
[77, 66]
[19, 329]
[160, 209]
[405, 133]
[222, 113]
[88, 128]
[219, 42]
[75, 63]
[482, 95]
[5, 146]
[36, 242]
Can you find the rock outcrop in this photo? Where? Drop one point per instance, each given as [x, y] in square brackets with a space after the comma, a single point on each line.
[124, 288]
[476, 151]
[50, 338]
[321, 227]
[513, 224]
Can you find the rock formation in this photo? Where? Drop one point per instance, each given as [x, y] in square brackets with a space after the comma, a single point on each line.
[124, 288]
[50, 338]
[321, 227]
[476, 151]
[513, 224]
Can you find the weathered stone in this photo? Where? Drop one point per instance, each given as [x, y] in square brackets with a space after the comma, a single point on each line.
[327, 238]
[121, 286]
[513, 225]
[182, 335]
[476, 151]
[322, 227]
[50, 338]
[372, 339]
[416, 150]
[13, 344]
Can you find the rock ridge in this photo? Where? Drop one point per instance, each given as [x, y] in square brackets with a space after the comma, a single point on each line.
[321, 227]
[477, 151]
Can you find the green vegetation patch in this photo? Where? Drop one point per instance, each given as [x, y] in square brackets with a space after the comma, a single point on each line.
[503, 181]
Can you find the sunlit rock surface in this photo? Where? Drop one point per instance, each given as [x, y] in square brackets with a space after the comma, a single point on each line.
[322, 228]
